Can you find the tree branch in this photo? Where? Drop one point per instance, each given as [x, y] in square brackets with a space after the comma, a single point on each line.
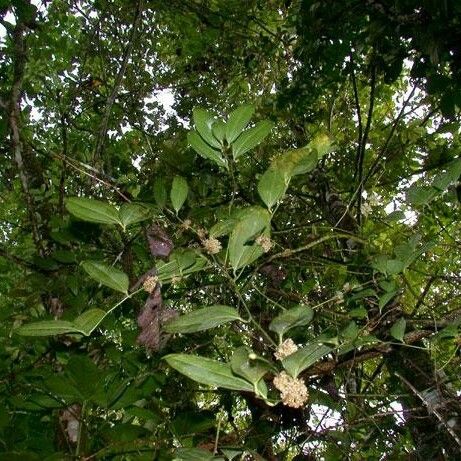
[101, 139]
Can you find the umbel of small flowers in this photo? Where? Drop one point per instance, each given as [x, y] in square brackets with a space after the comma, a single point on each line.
[285, 349]
[293, 391]
[212, 245]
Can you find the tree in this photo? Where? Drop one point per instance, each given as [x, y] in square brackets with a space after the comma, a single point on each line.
[268, 269]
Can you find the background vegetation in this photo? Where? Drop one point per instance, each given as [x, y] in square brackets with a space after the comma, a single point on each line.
[230, 230]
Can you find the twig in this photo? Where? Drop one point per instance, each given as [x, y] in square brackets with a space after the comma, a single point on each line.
[14, 120]
[364, 143]
[101, 139]
[359, 116]
[431, 408]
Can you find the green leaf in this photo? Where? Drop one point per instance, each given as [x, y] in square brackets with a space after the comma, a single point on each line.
[251, 138]
[420, 195]
[92, 210]
[202, 148]
[321, 144]
[445, 178]
[131, 213]
[202, 319]
[398, 329]
[207, 371]
[160, 191]
[231, 453]
[223, 227]
[219, 131]
[193, 454]
[297, 161]
[107, 275]
[89, 320]
[295, 317]
[254, 223]
[272, 187]
[246, 364]
[385, 298]
[47, 328]
[179, 191]
[302, 359]
[237, 122]
[273, 184]
[182, 262]
[204, 121]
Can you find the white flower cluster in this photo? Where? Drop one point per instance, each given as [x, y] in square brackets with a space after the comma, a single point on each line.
[293, 391]
[265, 243]
[212, 245]
[373, 200]
[150, 283]
[285, 349]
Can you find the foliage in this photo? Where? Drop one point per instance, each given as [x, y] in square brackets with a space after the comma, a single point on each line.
[266, 268]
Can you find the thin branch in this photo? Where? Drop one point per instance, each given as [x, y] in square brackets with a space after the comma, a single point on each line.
[364, 143]
[359, 116]
[431, 408]
[101, 139]
[19, 65]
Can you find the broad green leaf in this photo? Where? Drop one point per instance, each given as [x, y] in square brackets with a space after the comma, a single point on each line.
[223, 227]
[297, 161]
[204, 121]
[202, 148]
[385, 298]
[321, 144]
[89, 320]
[92, 210]
[420, 195]
[251, 138]
[398, 329]
[193, 454]
[219, 131]
[131, 213]
[207, 371]
[47, 328]
[451, 174]
[160, 191]
[237, 122]
[246, 364]
[107, 275]
[242, 250]
[231, 453]
[295, 317]
[302, 359]
[202, 319]
[273, 184]
[179, 191]
[272, 187]
[396, 215]
[181, 262]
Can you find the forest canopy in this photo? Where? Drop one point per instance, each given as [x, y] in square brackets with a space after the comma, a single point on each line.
[229, 230]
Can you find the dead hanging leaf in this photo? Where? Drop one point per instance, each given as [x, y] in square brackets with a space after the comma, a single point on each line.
[70, 421]
[151, 319]
[56, 308]
[160, 244]
[151, 322]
